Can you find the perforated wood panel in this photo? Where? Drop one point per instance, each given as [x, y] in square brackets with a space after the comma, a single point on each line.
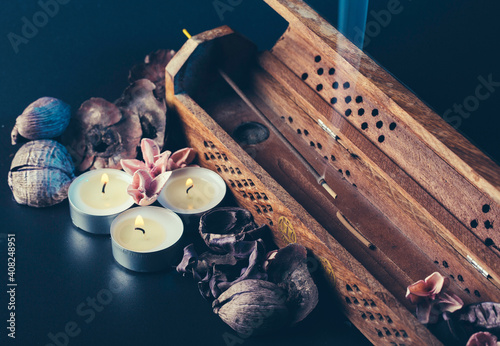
[367, 303]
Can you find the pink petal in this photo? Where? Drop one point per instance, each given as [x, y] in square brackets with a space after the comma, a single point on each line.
[449, 302]
[132, 165]
[482, 339]
[161, 162]
[181, 158]
[149, 150]
[435, 283]
[419, 288]
[138, 188]
[157, 184]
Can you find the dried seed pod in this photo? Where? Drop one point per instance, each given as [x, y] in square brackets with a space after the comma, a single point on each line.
[253, 307]
[45, 118]
[40, 173]
[288, 269]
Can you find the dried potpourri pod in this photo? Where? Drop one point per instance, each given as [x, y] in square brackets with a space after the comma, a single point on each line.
[458, 326]
[253, 307]
[40, 173]
[153, 69]
[222, 227]
[45, 118]
[288, 269]
[139, 101]
[100, 135]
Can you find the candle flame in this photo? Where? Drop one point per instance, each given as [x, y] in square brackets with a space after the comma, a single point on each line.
[139, 221]
[189, 182]
[104, 179]
[185, 32]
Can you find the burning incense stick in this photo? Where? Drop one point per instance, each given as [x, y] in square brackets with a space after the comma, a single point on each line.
[320, 179]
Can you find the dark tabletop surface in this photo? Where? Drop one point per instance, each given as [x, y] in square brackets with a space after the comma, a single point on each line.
[85, 49]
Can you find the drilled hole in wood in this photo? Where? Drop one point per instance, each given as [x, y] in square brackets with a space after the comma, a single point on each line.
[206, 156]
[231, 183]
[488, 242]
[264, 209]
[224, 156]
[264, 196]
[320, 71]
[244, 182]
[361, 111]
[211, 144]
[364, 126]
[486, 208]
[474, 223]
[269, 206]
[331, 71]
[251, 182]
[467, 290]
[348, 287]
[389, 320]
[240, 185]
[270, 222]
[375, 112]
[325, 157]
[231, 169]
[257, 209]
[290, 119]
[306, 132]
[319, 87]
[371, 317]
[347, 173]
[347, 300]
[340, 171]
[387, 332]
[356, 288]
[476, 293]
[392, 126]
[299, 132]
[436, 262]
[359, 99]
[348, 112]
[311, 143]
[396, 333]
[372, 304]
[319, 145]
[363, 316]
[346, 85]
[379, 124]
[381, 138]
[238, 170]
[453, 277]
[405, 334]
[445, 264]
[332, 158]
[205, 144]
[335, 85]
[317, 58]
[488, 224]
[251, 196]
[212, 156]
[348, 99]
[460, 278]
[333, 100]
[380, 334]
[304, 76]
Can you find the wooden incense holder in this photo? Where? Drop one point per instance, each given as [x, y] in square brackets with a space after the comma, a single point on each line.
[412, 195]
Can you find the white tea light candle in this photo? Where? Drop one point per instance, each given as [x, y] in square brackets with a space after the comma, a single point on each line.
[146, 239]
[97, 197]
[192, 190]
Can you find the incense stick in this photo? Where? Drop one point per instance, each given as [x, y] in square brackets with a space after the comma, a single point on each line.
[320, 179]
[355, 232]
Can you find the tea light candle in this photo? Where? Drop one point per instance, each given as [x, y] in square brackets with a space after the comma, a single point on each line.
[97, 197]
[147, 239]
[192, 190]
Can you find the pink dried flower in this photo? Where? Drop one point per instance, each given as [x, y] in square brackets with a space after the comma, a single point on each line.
[149, 177]
[482, 339]
[431, 298]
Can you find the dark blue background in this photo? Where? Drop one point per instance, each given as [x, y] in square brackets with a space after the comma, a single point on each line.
[437, 48]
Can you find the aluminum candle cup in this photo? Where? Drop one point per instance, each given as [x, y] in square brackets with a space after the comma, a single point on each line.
[192, 191]
[147, 239]
[97, 197]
